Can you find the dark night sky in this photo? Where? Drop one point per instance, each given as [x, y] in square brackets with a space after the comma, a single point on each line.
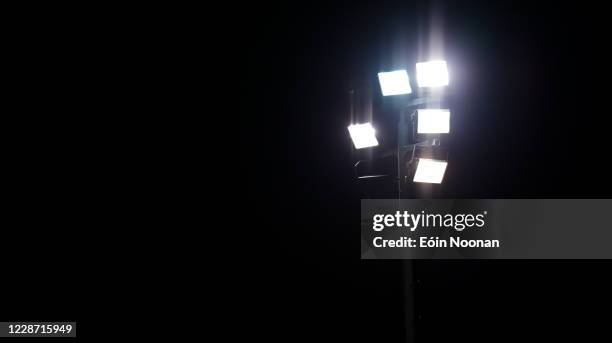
[530, 87]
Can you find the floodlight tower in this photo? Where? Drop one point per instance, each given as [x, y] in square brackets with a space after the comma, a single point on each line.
[422, 127]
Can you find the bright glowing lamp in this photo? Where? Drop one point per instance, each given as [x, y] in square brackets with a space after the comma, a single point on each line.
[431, 121]
[432, 74]
[363, 135]
[394, 82]
[430, 171]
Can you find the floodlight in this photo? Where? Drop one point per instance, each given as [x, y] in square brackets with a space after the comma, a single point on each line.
[433, 121]
[363, 135]
[394, 82]
[430, 171]
[432, 74]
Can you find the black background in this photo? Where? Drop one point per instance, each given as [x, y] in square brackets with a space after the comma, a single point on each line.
[81, 104]
[531, 84]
